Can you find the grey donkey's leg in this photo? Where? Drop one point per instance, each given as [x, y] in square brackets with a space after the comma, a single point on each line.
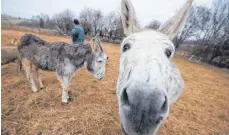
[19, 64]
[65, 82]
[28, 69]
[38, 77]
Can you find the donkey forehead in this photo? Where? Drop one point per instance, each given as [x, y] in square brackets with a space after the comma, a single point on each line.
[100, 55]
[149, 38]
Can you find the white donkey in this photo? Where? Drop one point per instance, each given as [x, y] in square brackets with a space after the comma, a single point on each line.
[148, 81]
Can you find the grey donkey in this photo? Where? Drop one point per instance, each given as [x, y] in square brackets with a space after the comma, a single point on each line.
[148, 80]
[60, 57]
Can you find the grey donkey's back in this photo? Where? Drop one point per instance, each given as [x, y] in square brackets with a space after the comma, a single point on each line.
[28, 39]
[52, 55]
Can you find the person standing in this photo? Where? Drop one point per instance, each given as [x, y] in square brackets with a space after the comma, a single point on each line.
[77, 33]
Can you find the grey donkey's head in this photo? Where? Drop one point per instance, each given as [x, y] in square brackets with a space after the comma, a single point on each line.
[148, 81]
[96, 62]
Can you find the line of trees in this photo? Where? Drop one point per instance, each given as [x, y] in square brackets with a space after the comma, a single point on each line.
[93, 21]
[208, 29]
[209, 26]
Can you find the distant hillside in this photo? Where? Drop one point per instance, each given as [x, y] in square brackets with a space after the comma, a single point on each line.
[6, 19]
[21, 24]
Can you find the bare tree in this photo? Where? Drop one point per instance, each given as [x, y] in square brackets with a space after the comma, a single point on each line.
[109, 21]
[38, 21]
[64, 20]
[41, 23]
[113, 25]
[188, 30]
[211, 32]
[154, 24]
[118, 28]
[91, 20]
[85, 18]
[97, 21]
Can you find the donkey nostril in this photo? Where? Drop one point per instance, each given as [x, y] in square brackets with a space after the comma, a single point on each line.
[164, 107]
[159, 120]
[125, 98]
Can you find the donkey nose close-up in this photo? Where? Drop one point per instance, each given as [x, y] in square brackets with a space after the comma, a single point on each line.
[145, 98]
[143, 106]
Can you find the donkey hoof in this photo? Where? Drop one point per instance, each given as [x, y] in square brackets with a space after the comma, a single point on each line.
[70, 97]
[35, 90]
[70, 101]
[42, 87]
[65, 101]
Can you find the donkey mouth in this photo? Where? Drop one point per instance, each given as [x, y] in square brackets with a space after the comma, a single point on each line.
[100, 77]
[141, 123]
[123, 130]
[136, 132]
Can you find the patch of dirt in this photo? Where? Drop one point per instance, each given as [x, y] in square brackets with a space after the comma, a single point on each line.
[202, 109]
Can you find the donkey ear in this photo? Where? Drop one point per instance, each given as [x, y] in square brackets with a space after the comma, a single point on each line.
[172, 26]
[98, 44]
[128, 16]
[92, 43]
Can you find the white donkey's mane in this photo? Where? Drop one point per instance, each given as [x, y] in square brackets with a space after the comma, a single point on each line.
[148, 80]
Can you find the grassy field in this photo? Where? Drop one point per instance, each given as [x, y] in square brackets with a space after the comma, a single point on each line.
[6, 20]
[202, 109]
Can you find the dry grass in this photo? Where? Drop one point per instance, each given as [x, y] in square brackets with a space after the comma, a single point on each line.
[202, 109]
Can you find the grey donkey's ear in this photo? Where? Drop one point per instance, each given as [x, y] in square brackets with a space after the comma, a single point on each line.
[172, 26]
[129, 20]
[98, 44]
[96, 40]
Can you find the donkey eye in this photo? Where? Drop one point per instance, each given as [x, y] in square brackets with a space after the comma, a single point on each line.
[168, 53]
[126, 47]
[99, 61]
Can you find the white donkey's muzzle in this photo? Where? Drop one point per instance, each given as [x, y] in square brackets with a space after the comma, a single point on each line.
[143, 100]
[143, 108]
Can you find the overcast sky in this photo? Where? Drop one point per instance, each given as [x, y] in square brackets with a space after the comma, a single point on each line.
[146, 10]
